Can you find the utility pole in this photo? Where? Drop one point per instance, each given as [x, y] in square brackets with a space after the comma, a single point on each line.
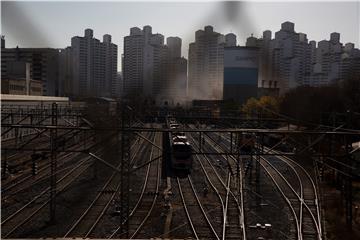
[125, 169]
[348, 186]
[53, 164]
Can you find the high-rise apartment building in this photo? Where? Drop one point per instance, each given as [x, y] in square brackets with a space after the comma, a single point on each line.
[152, 68]
[111, 74]
[206, 56]
[292, 53]
[66, 83]
[133, 61]
[143, 53]
[289, 60]
[94, 65]
[266, 71]
[173, 88]
[334, 61]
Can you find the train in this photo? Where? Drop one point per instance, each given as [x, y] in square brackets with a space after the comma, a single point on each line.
[179, 147]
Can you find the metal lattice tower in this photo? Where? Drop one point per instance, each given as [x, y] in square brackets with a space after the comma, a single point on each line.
[124, 147]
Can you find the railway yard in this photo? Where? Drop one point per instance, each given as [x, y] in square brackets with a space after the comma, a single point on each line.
[67, 179]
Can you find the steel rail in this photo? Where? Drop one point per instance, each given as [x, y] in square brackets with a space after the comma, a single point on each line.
[96, 199]
[202, 209]
[226, 207]
[208, 178]
[186, 210]
[39, 178]
[46, 202]
[241, 206]
[140, 197]
[318, 221]
[153, 202]
[44, 166]
[42, 193]
[286, 199]
[301, 199]
[112, 197]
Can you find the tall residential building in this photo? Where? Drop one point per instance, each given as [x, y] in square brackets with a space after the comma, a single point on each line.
[292, 53]
[174, 46]
[230, 40]
[334, 61]
[133, 61]
[266, 71]
[206, 57]
[44, 66]
[142, 61]
[173, 87]
[111, 74]
[289, 60]
[150, 67]
[66, 83]
[283, 60]
[94, 65]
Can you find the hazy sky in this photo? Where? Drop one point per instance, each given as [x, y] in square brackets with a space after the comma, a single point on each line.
[52, 24]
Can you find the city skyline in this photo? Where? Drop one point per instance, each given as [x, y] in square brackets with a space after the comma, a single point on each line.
[170, 23]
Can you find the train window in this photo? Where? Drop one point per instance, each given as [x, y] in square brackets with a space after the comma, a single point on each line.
[180, 139]
[174, 125]
[182, 151]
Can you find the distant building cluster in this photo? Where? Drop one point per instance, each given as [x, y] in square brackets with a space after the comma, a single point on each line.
[216, 69]
[289, 60]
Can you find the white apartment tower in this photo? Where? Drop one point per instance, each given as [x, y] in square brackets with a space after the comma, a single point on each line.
[111, 76]
[206, 56]
[94, 65]
[289, 60]
[142, 61]
[150, 66]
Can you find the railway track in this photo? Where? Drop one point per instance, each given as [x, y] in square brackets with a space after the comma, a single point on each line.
[233, 224]
[304, 199]
[298, 190]
[23, 182]
[235, 175]
[216, 184]
[23, 215]
[90, 218]
[26, 174]
[142, 211]
[192, 203]
[146, 198]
